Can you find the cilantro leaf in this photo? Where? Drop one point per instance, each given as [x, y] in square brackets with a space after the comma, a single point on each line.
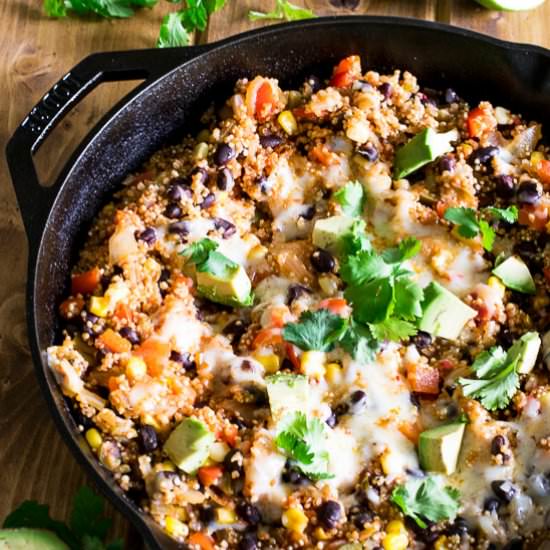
[283, 10]
[466, 219]
[218, 265]
[509, 215]
[87, 515]
[487, 235]
[497, 378]
[199, 251]
[364, 267]
[316, 330]
[172, 32]
[373, 302]
[351, 198]
[393, 329]
[426, 500]
[407, 249]
[408, 298]
[304, 441]
[55, 8]
[359, 342]
[355, 240]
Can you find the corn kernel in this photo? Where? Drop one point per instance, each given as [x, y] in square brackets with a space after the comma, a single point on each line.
[136, 368]
[396, 526]
[270, 362]
[494, 282]
[94, 439]
[334, 373]
[203, 135]
[149, 419]
[175, 528]
[536, 157]
[225, 515]
[328, 284]
[441, 543]
[295, 520]
[200, 151]
[218, 451]
[288, 122]
[312, 363]
[395, 541]
[167, 466]
[321, 534]
[257, 252]
[389, 462]
[99, 305]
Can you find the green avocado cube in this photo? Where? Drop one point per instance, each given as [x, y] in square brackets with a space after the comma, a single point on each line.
[439, 448]
[287, 393]
[422, 149]
[30, 539]
[443, 313]
[328, 231]
[526, 350]
[515, 274]
[189, 444]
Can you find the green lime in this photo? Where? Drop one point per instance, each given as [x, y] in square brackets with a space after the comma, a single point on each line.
[510, 5]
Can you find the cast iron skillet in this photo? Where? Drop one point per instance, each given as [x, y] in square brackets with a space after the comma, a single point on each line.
[177, 85]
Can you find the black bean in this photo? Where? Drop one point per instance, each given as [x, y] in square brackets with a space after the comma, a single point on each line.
[491, 504]
[148, 438]
[294, 477]
[227, 227]
[271, 141]
[341, 409]
[184, 359]
[329, 514]
[164, 275]
[483, 155]
[529, 192]
[203, 175]
[263, 183]
[314, 83]
[505, 187]
[450, 96]
[249, 541]
[176, 192]
[369, 152]
[224, 153]
[528, 250]
[428, 99]
[179, 228]
[415, 400]
[208, 201]
[447, 163]
[308, 213]
[504, 490]
[172, 211]
[322, 261]
[422, 339]
[459, 527]
[386, 90]
[295, 291]
[361, 85]
[225, 179]
[233, 463]
[90, 323]
[361, 518]
[207, 514]
[358, 400]
[332, 420]
[148, 235]
[499, 441]
[235, 330]
[79, 417]
[416, 472]
[249, 513]
[130, 334]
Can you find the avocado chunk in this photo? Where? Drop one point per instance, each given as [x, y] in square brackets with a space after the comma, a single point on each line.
[30, 539]
[328, 231]
[515, 275]
[223, 281]
[526, 350]
[443, 313]
[422, 149]
[287, 393]
[439, 447]
[189, 444]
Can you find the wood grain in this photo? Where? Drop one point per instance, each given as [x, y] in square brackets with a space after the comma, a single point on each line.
[34, 52]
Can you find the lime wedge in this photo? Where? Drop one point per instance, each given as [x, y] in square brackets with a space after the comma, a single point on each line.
[510, 5]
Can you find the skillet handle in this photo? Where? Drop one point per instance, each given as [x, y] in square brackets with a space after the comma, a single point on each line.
[35, 200]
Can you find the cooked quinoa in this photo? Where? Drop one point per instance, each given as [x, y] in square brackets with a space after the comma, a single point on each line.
[286, 331]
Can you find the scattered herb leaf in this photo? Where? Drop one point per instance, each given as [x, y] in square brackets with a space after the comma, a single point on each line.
[172, 32]
[283, 10]
[351, 198]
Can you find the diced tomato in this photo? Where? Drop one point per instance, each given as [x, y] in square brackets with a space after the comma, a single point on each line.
[479, 122]
[262, 98]
[208, 475]
[279, 315]
[321, 154]
[71, 307]
[348, 70]
[155, 354]
[123, 311]
[423, 379]
[534, 216]
[229, 435]
[411, 430]
[112, 341]
[543, 171]
[268, 337]
[338, 306]
[445, 364]
[302, 112]
[441, 208]
[291, 354]
[202, 540]
[113, 383]
[85, 283]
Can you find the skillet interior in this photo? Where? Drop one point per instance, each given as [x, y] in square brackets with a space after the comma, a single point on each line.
[475, 66]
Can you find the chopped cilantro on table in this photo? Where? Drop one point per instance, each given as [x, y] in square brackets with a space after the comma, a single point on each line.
[103, 8]
[87, 527]
[497, 378]
[304, 440]
[351, 198]
[471, 223]
[425, 499]
[283, 10]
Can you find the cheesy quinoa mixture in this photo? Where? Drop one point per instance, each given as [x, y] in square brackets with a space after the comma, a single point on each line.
[321, 323]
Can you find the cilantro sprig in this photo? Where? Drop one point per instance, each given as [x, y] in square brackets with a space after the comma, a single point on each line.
[304, 441]
[471, 223]
[283, 10]
[425, 499]
[87, 527]
[103, 8]
[351, 198]
[207, 259]
[497, 378]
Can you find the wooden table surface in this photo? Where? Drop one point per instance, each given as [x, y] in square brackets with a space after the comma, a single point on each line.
[34, 52]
